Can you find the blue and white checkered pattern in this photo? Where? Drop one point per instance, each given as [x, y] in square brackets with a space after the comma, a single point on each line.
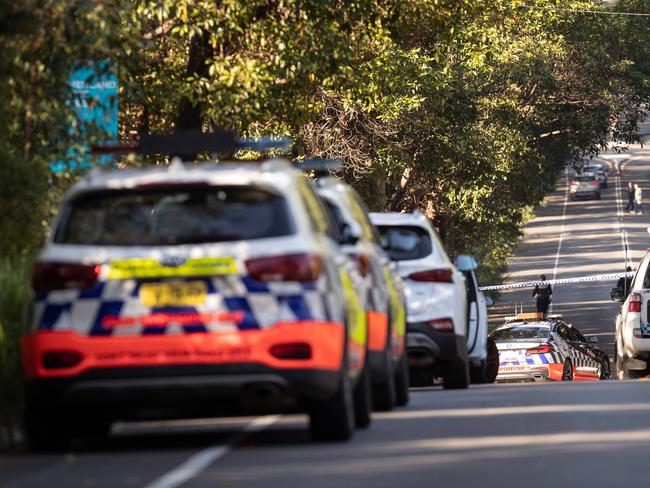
[262, 305]
[645, 330]
[561, 351]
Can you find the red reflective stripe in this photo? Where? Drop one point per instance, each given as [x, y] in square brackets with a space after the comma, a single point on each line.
[252, 346]
[377, 330]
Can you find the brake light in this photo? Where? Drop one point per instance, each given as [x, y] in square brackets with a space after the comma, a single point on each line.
[61, 359]
[442, 325]
[543, 349]
[595, 183]
[634, 302]
[363, 263]
[292, 267]
[291, 350]
[47, 276]
[574, 183]
[444, 275]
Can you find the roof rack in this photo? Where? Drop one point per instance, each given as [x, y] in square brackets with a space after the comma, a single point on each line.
[187, 143]
[532, 315]
[320, 166]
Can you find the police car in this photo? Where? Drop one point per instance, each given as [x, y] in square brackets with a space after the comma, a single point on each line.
[186, 291]
[534, 348]
[382, 293]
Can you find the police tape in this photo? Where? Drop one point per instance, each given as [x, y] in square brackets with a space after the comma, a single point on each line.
[560, 281]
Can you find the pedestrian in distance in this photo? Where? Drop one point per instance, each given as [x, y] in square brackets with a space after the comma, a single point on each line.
[638, 199]
[542, 294]
[625, 282]
[630, 197]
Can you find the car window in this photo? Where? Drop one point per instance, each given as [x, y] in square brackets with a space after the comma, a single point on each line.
[641, 278]
[361, 216]
[574, 335]
[521, 332]
[405, 242]
[174, 215]
[318, 217]
[584, 178]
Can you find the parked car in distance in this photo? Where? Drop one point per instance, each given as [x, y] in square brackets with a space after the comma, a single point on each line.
[584, 185]
[599, 171]
[436, 299]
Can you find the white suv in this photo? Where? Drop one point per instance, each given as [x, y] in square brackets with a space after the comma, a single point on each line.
[202, 290]
[632, 348]
[436, 299]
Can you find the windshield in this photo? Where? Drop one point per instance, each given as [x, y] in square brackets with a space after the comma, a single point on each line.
[525, 332]
[177, 215]
[405, 242]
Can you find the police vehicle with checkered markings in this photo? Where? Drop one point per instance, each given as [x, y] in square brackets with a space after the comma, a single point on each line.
[381, 290]
[186, 291]
[534, 348]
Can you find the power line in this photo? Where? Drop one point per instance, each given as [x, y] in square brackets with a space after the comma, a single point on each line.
[584, 11]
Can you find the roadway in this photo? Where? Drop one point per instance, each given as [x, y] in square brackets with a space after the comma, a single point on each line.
[572, 434]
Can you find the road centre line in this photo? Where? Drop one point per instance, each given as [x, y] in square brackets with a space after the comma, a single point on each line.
[202, 459]
[559, 242]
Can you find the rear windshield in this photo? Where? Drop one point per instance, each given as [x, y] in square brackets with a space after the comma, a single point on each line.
[594, 169]
[177, 215]
[405, 242]
[514, 333]
[584, 178]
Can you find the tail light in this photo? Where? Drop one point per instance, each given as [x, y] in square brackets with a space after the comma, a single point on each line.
[363, 263]
[292, 350]
[442, 325]
[292, 267]
[543, 349]
[61, 359]
[595, 183]
[47, 276]
[444, 275]
[634, 302]
[574, 183]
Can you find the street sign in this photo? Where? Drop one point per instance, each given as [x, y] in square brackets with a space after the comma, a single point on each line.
[94, 89]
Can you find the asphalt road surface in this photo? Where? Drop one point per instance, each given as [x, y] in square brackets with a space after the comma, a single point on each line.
[571, 434]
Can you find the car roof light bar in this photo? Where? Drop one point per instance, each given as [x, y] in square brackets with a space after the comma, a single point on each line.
[320, 166]
[187, 143]
[266, 143]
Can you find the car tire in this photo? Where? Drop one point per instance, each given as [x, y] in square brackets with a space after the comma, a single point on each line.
[456, 376]
[383, 392]
[402, 381]
[363, 399]
[420, 377]
[46, 429]
[492, 366]
[567, 371]
[605, 369]
[477, 373]
[333, 419]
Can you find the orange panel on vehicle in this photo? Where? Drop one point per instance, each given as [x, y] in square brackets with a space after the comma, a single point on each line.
[377, 330]
[229, 347]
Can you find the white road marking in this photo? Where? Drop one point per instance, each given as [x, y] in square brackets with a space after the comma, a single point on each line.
[559, 242]
[202, 459]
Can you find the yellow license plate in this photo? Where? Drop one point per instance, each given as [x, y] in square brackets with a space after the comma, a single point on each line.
[173, 294]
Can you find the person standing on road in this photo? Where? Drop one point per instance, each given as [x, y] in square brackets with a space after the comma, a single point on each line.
[542, 294]
[630, 197]
[638, 199]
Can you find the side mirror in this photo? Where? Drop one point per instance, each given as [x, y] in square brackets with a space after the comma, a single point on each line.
[348, 236]
[489, 301]
[466, 262]
[616, 294]
[592, 339]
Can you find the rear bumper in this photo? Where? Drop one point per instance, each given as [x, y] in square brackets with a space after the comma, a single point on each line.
[521, 374]
[426, 346]
[185, 390]
[325, 339]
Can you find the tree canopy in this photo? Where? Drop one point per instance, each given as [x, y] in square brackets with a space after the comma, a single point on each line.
[466, 109]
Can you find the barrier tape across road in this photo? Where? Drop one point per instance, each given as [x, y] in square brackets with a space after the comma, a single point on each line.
[560, 281]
